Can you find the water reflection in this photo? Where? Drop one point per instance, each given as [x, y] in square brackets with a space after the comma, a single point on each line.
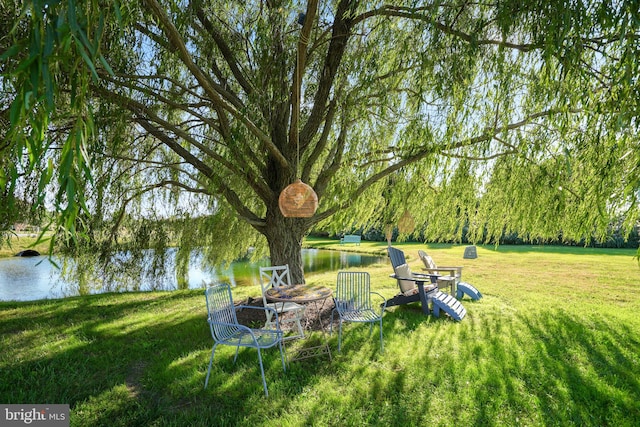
[318, 260]
[27, 279]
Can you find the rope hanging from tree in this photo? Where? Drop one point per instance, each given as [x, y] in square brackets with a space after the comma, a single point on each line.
[298, 200]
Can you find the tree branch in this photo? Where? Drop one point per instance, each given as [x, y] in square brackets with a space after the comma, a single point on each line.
[226, 51]
[424, 14]
[210, 87]
[342, 27]
[321, 144]
[242, 171]
[424, 152]
[226, 191]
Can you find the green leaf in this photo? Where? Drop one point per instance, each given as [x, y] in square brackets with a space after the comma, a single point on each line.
[12, 51]
[106, 65]
[118, 13]
[15, 113]
[87, 59]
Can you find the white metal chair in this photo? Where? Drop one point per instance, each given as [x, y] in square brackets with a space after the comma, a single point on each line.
[353, 303]
[226, 330]
[274, 277]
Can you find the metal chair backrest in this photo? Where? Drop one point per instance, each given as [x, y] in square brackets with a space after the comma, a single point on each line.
[352, 291]
[221, 311]
[273, 277]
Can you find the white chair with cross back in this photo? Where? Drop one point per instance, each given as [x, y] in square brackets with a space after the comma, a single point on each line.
[274, 277]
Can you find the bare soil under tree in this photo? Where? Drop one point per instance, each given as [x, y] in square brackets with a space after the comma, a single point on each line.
[314, 314]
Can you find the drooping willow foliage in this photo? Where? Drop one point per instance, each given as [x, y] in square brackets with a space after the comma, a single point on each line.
[160, 122]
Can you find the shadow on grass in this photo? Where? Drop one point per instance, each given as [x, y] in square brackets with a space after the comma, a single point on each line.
[548, 367]
[134, 359]
[589, 364]
[141, 360]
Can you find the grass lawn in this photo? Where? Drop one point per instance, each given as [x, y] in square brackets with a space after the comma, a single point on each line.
[554, 341]
[19, 242]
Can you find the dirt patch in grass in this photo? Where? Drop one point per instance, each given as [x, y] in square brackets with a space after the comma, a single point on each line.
[315, 315]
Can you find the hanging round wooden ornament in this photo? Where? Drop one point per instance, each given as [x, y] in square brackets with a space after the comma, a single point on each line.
[406, 224]
[298, 200]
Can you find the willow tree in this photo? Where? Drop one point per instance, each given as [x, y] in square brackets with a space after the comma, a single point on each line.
[504, 116]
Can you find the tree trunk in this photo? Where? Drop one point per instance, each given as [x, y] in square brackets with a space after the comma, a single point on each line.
[284, 236]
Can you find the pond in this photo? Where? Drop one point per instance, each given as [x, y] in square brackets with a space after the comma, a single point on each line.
[28, 279]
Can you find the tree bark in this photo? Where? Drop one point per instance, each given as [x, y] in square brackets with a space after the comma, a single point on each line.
[284, 236]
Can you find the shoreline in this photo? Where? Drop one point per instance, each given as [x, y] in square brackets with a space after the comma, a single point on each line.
[15, 243]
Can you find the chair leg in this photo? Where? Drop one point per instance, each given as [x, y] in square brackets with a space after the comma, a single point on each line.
[331, 324]
[300, 330]
[381, 341]
[284, 365]
[268, 324]
[213, 349]
[436, 311]
[237, 349]
[264, 381]
[339, 335]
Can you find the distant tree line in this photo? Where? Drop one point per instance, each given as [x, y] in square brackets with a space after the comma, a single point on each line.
[617, 238]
